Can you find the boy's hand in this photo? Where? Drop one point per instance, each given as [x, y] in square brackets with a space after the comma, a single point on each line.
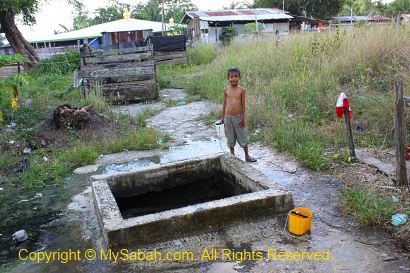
[222, 120]
[242, 124]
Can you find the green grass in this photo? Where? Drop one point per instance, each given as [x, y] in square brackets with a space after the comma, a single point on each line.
[177, 75]
[61, 163]
[6, 163]
[142, 139]
[367, 208]
[212, 117]
[201, 54]
[39, 97]
[141, 117]
[292, 88]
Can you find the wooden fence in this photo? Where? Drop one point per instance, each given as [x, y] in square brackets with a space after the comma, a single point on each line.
[124, 75]
[169, 48]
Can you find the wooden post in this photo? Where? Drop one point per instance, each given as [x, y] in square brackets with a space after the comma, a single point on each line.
[349, 135]
[400, 136]
[163, 19]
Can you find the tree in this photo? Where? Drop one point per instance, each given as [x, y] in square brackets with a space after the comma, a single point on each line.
[238, 5]
[308, 8]
[399, 6]
[81, 19]
[176, 9]
[9, 9]
[363, 7]
[110, 13]
[150, 11]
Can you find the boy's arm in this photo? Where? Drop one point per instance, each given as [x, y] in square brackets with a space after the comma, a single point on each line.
[224, 107]
[242, 124]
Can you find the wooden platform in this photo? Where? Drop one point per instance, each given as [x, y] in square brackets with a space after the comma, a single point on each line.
[125, 75]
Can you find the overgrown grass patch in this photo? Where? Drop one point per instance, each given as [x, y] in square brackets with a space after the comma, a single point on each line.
[142, 139]
[366, 207]
[292, 88]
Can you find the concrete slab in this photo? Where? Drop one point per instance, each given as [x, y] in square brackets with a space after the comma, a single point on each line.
[265, 197]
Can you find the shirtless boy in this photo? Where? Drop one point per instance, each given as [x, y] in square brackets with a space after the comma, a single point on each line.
[233, 114]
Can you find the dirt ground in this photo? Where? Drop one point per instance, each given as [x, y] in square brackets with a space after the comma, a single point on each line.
[352, 248]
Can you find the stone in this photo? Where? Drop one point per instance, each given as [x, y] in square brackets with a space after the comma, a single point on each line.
[20, 236]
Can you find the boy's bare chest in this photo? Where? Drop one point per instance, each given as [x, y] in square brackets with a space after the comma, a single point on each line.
[234, 94]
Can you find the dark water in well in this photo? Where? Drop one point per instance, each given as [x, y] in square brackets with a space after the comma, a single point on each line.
[197, 191]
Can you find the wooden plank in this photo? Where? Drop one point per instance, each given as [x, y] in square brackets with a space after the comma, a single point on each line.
[170, 56]
[122, 51]
[167, 53]
[117, 66]
[131, 93]
[136, 57]
[178, 60]
[129, 85]
[120, 79]
[130, 71]
[400, 136]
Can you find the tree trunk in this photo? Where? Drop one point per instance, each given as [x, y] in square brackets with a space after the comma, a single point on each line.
[16, 39]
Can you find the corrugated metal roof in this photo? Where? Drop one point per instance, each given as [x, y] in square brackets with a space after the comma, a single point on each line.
[95, 31]
[237, 15]
[360, 18]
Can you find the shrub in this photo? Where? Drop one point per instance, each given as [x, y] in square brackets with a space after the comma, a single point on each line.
[60, 64]
[227, 35]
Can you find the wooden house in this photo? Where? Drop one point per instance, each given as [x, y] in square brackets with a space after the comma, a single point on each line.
[207, 25]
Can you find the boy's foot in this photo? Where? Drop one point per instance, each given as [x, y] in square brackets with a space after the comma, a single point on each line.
[250, 159]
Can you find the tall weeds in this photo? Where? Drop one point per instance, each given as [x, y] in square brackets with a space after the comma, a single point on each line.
[292, 87]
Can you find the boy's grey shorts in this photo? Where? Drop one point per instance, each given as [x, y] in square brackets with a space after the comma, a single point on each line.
[234, 132]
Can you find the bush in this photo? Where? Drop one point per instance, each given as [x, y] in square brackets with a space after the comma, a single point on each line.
[227, 35]
[59, 64]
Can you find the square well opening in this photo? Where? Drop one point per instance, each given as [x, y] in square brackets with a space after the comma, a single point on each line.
[193, 187]
[162, 202]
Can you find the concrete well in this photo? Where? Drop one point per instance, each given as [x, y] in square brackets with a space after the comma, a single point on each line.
[245, 193]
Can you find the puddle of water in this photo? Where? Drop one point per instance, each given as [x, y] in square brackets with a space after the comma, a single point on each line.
[281, 177]
[222, 267]
[141, 162]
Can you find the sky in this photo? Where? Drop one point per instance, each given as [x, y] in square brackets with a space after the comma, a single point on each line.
[55, 12]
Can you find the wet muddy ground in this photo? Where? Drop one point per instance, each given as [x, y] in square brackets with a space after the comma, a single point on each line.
[67, 220]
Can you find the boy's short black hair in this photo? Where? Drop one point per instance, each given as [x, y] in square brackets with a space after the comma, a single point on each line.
[234, 70]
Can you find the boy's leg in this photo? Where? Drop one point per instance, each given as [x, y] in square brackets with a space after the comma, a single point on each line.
[242, 138]
[230, 134]
[245, 149]
[248, 158]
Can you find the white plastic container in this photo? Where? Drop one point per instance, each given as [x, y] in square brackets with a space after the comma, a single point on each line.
[220, 129]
